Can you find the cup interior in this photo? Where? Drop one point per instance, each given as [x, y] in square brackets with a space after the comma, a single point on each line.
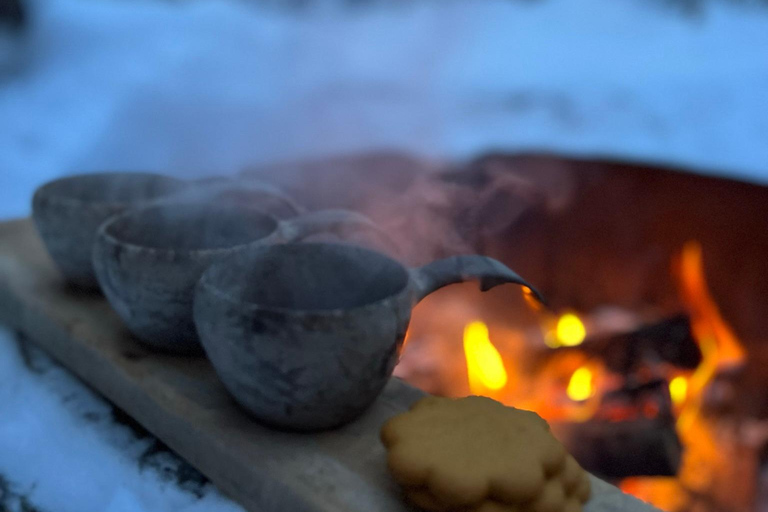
[191, 226]
[114, 188]
[308, 277]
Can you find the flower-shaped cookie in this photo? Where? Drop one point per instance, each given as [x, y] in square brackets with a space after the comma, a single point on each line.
[475, 454]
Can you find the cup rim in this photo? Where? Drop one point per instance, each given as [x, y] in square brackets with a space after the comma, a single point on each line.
[104, 234]
[205, 282]
[49, 188]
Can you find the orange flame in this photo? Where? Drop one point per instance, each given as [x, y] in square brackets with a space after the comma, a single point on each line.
[485, 368]
[720, 348]
[708, 323]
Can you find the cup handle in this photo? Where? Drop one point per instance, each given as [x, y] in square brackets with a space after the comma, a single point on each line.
[328, 221]
[458, 269]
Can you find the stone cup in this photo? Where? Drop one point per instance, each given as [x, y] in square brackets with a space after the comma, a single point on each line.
[149, 260]
[242, 192]
[68, 212]
[305, 336]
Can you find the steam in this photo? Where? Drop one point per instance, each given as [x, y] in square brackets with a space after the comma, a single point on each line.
[431, 209]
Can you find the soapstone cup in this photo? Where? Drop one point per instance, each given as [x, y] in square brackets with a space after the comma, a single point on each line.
[68, 212]
[305, 336]
[149, 260]
[242, 192]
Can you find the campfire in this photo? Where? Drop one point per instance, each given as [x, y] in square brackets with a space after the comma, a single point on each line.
[595, 376]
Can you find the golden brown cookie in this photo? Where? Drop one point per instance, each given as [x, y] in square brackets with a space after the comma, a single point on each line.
[423, 498]
[572, 475]
[476, 454]
[496, 506]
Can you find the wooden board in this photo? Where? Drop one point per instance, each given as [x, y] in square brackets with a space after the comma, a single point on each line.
[181, 401]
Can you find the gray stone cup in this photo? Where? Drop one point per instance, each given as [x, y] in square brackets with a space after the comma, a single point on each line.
[149, 260]
[68, 212]
[242, 192]
[305, 336]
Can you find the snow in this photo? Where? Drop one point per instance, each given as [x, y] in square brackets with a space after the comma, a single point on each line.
[210, 86]
[62, 450]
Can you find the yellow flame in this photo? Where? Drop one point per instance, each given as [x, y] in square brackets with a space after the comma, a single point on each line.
[570, 331]
[485, 367]
[581, 385]
[678, 389]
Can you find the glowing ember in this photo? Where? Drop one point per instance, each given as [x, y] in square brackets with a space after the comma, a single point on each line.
[485, 367]
[581, 385]
[678, 389]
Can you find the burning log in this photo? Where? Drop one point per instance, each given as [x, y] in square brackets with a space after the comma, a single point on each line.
[670, 340]
[615, 450]
[632, 434]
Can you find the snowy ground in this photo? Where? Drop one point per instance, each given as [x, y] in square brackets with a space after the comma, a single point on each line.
[64, 449]
[209, 86]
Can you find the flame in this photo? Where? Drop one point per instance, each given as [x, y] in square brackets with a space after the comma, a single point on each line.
[678, 389]
[708, 323]
[485, 368]
[570, 330]
[581, 386]
[705, 458]
[720, 348]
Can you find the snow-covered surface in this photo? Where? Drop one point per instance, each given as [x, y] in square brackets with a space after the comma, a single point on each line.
[210, 86]
[62, 450]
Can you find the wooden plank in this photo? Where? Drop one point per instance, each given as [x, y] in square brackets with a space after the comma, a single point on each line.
[181, 401]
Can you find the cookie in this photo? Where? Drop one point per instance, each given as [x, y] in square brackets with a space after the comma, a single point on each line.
[477, 454]
[551, 498]
[424, 499]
